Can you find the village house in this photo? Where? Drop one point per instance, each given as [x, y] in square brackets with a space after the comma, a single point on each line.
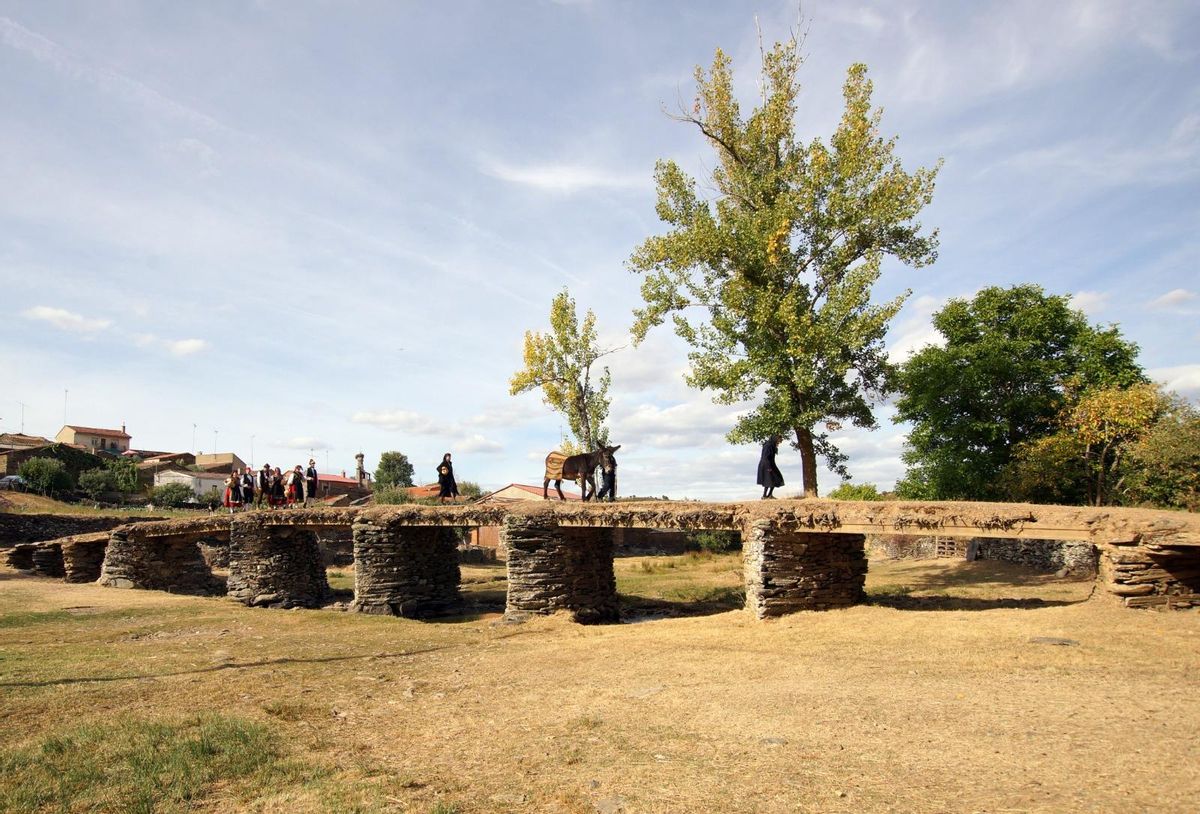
[219, 462]
[202, 484]
[95, 439]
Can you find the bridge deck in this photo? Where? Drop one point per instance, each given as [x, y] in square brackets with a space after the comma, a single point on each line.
[1103, 525]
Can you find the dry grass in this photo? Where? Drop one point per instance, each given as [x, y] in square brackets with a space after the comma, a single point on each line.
[932, 697]
[28, 503]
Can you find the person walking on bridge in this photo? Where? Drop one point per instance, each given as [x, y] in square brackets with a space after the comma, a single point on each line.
[310, 482]
[769, 475]
[447, 486]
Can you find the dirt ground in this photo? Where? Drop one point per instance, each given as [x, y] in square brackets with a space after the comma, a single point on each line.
[950, 690]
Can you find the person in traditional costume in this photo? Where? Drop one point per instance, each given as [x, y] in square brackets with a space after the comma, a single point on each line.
[447, 487]
[233, 492]
[248, 488]
[264, 486]
[310, 482]
[277, 493]
[769, 475]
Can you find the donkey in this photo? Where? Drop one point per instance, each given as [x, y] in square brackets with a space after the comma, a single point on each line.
[581, 468]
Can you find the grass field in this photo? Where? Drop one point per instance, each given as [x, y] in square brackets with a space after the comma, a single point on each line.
[936, 695]
[28, 503]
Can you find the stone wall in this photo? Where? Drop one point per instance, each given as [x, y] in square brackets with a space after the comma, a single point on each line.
[20, 556]
[552, 569]
[83, 560]
[160, 564]
[409, 571]
[901, 547]
[48, 560]
[34, 528]
[1152, 576]
[1069, 558]
[275, 566]
[788, 571]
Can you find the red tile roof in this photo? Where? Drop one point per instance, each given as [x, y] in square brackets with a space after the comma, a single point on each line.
[99, 431]
[535, 490]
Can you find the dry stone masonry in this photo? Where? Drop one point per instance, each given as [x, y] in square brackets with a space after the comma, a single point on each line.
[48, 560]
[553, 568]
[275, 566]
[402, 570]
[789, 571]
[1069, 558]
[134, 559]
[83, 556]
[1151, 575]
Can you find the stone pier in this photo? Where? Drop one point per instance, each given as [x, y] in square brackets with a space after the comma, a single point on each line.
[403, 570]
[275, 566]
[554, 568]
[788, 571]
[156, 563]
[48, 560]
[83, 557]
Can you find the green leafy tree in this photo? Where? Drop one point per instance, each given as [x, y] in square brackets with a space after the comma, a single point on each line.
[47, 476]
[1085, 461]
[1163, 465]
[561, 362]
[1013, 359]
[125, 475]
[174, 495]
[855, 491]
[394, 470]
[770, 282]
[96, 482]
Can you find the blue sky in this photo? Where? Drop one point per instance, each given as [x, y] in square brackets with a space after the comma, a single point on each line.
[328, 225]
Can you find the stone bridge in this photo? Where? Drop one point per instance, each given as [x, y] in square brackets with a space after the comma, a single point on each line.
[797, 554]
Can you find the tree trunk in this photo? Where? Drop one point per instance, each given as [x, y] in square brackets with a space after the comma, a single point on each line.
[808, 460]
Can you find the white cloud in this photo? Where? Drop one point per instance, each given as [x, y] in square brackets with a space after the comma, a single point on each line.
[185, 347]
[1090, 302]
[479, 445]
[565, 178]
[696, 423]
[400, 421]
[66, 320]
[915, 329]
[1183, 379]
[1172, 299]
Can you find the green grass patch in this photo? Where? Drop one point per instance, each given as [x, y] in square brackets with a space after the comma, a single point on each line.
[25, 618]
[136, 766]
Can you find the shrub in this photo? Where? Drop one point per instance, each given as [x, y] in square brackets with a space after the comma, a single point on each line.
[174, 495]
[717, 542]
[855, 491]
[46, 475]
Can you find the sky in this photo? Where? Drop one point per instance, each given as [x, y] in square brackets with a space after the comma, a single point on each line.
[280, 226]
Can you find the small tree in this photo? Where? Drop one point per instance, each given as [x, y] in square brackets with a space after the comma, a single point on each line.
[394, 470]
[96, 482]
[174, 495]
[46, 475]
[560, 363]
[770, 283]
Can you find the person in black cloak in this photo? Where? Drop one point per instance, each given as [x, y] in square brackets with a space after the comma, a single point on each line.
[447, 487]
[769, 475]
[310, 482]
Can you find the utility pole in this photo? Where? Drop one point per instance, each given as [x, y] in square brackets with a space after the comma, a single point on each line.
[252, 450]
[65, 391]
[193, 439]
[215, 441]
[23, 417]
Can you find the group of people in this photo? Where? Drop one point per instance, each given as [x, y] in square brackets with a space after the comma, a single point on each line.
[271, 488]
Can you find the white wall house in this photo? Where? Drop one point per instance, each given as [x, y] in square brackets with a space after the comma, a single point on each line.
[202, 483]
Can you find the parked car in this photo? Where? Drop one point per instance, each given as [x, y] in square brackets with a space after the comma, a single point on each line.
[14, 482]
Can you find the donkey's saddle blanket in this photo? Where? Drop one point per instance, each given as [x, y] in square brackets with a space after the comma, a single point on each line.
[554, 465]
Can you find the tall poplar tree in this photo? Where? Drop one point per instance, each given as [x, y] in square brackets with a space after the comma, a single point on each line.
[560, 362]
[770, 281]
